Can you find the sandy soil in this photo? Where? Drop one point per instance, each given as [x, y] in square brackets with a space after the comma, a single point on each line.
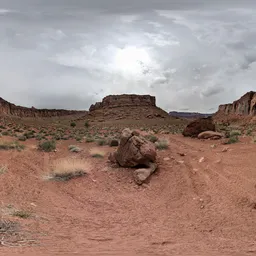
[203, 203]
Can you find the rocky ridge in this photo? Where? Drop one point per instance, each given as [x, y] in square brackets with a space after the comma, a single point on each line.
[9, 109]
[243, 108]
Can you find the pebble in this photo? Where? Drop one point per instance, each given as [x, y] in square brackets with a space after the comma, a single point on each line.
[201, 160]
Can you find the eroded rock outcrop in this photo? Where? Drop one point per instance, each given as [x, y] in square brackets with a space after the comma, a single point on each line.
[198, 126]
[124, 100]
[9, 109]
[135, 151]
[127, 106]
[245, 106]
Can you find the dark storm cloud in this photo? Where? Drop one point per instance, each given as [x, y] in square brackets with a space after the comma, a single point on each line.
[68, 54]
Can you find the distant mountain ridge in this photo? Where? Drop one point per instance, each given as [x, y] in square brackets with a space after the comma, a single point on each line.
[189, 114]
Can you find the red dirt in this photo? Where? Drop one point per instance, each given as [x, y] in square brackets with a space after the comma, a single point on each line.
[189, 207]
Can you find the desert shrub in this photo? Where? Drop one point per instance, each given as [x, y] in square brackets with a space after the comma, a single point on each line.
[234, 133]
[233, 139]
[73, 124]
[11, 145]
[73, 148]
[67, 169]
[21, 214]
[249, 132]
[22, 138]
[29, 134]
[47, 146]
[101, 142]
[57, 136]
[3, 169]
[5, 133]
[162, 144]
[78, 138]
[97, 153]
[89, 139]
[86, 124]
[151, 138]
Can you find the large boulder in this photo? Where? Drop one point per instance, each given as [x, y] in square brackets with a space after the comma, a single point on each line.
[210, 135]
[134, 150]
[194, 128]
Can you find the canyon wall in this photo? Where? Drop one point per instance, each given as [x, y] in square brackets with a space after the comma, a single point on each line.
[245, 106]
[7, 108]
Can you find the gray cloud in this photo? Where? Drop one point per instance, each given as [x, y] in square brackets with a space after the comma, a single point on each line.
[68, 54]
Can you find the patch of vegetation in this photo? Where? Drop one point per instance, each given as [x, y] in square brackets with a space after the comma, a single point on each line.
[234, 133]
[5, 133]
[97, 153]
[86, 124]
[73, 124]
[233, 139]
[89, 139]
[101, 142]
[151, 138]
[21, 214]
[22, 138]
[74, 148]
[67, 169]
[162, 144]
[3, 169]
[249, 132]
[8, 227]
[47, 146]
[11, 145]
[29, 134]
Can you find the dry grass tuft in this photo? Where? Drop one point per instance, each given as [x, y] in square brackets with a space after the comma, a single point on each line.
[3, 169]
[67, 169]
[96, 153]
[74, 148]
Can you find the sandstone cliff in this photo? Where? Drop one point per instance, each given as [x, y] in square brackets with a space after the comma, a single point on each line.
[245, 107]
[127, 106]
[9, 109]
[124, 100]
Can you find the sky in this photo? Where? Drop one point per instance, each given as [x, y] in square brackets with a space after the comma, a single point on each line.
[191, 54]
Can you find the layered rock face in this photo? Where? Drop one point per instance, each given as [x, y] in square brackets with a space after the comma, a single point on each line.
[124, 100]
[7, 108]
[245, 106]
[127, 106]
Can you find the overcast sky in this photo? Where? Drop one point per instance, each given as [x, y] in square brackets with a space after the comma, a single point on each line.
[191, 55]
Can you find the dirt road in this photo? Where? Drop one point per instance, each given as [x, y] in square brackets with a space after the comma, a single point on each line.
[201, 201]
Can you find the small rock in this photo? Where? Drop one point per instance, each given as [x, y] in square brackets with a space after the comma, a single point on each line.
[181, 154]
[167, 159]
[201, 160]
[224, 149]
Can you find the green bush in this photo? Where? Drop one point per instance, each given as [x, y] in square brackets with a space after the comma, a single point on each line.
[47, 146]
[101, 142]
[233, 139]
[234, 133]
[73, 124]
[86, 124]
[162, 144]
[22, 138]
[151, 138]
